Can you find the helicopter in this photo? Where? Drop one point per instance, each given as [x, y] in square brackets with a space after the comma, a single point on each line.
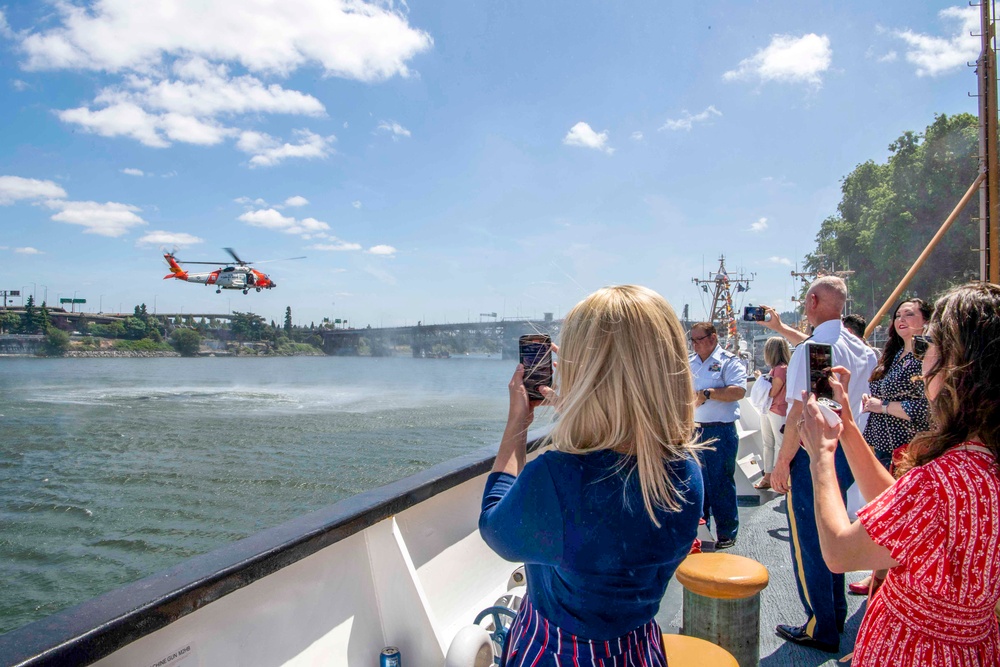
[232, 276]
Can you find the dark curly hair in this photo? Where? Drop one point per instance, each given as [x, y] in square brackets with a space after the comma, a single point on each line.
[894, 343]
[965, 328]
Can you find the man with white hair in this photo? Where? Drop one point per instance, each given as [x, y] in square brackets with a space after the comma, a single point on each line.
[822, 593]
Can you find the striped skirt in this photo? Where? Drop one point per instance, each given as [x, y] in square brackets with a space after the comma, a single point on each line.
[533, 641]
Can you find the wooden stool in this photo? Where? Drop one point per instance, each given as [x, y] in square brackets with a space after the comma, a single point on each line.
[683, 651]
[722, 602]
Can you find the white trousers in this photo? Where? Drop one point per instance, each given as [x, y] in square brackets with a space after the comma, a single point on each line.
[770, 431]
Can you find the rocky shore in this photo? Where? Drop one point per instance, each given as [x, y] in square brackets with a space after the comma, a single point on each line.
[119, 354]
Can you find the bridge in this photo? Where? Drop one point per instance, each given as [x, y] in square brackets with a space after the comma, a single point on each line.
[431, 340]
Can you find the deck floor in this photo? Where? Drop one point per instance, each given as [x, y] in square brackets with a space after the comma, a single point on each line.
[764, 537]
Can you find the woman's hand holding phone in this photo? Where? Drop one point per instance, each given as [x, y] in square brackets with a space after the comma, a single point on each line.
[522, 406]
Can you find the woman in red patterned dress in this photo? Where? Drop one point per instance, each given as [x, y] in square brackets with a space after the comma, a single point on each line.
[937, 529]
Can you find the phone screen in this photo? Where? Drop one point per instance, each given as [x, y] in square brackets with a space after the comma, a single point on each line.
[820, 361]
[753, 314]
[536, 355]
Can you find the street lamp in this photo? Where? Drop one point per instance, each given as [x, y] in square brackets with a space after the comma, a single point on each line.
[72, 305]
[46, 288]
[100, 308]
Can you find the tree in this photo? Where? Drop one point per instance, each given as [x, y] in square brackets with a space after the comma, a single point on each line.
[888, 213]
[135, 328]
[247, 326]
[186, 341]
[10, 321]
[288, 320]
[29, 323]
[56, 342]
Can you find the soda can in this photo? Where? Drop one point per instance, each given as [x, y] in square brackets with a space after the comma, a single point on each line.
[390, 657]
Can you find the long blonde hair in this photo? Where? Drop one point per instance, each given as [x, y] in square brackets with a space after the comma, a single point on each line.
[625, 384]
[776, 352]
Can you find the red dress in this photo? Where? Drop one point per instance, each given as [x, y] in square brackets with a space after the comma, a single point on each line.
[941, 523]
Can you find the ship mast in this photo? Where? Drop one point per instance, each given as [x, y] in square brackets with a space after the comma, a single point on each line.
[989, 190]
[721, 285]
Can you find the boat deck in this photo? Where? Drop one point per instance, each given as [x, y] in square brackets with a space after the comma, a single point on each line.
[764, 537]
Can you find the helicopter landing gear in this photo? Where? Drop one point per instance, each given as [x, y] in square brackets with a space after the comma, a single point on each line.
[258, 289]
[245, 291]
[218, 291]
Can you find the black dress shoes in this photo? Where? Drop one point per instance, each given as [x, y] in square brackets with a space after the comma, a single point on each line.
[797, 635]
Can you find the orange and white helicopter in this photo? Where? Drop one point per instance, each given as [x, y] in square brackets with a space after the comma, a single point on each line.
[233, 276]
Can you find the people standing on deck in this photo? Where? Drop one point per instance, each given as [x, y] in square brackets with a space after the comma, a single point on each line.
[897, 406]
[936, 529]
[720, 381]
[772, 423]
[601, 521]
[822, 592]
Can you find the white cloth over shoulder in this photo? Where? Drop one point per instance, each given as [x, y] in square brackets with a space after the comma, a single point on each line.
[849, 351]
[760, 395]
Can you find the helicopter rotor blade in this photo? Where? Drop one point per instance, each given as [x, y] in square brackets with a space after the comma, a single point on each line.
[286, 259]
[235, 256]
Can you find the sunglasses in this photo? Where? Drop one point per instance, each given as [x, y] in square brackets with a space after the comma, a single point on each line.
[920, 345]
[698, 340]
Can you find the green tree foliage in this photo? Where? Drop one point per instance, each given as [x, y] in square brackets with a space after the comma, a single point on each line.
[186, 341]
[890, 211]
[247, 326]
[29, 322]
[56, 342]
[10, 322]
[135, 328]
[288, 320]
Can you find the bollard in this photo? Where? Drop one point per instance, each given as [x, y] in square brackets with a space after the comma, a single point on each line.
[684, 651]
[722, 602]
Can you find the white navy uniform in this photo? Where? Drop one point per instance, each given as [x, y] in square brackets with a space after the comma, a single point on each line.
[721, 369]
[717, 421]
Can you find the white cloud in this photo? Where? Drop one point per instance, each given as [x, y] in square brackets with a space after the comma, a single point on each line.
[384, 250]
[162, 238]
[5, 30]
[356, 204]
[119, 120]
[107, 219]
[270, 218]
[19, 85]
[297, 200]
[688, 121]
[783, 261]
[637, 136]
[758, 226]
[787, 59]
[350, 39]
[336, 247]
[268, 151]
[13, 188]
[28, 250]
[247, 201]
[889, 57]
[583, 135]
[393, 128]
[937, 55]
[178, 62]
[133, 172]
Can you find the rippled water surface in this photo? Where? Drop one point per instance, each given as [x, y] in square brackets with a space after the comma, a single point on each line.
[113, 469]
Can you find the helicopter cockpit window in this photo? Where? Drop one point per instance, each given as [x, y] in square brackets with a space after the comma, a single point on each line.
[228, 269]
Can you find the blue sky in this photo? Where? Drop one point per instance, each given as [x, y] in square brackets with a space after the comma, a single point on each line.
[438, 160]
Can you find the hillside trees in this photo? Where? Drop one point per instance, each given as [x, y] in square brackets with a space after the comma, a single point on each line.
[888, 213]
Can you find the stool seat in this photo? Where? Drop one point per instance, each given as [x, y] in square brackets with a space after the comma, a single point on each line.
[684, 651]
[722, 576]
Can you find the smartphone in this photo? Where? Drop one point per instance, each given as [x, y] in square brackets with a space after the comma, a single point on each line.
[754, 314]
[920, 344]
[535, 351]
[819, 362]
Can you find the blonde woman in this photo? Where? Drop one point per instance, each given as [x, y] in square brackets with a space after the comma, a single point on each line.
[772, 423]
[603, 519]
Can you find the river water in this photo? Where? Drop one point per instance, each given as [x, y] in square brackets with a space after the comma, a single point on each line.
[113, 469]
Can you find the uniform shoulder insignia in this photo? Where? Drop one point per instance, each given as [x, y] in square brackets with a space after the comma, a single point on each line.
[728, 355]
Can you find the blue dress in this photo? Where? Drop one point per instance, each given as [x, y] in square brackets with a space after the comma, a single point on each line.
[597, 567]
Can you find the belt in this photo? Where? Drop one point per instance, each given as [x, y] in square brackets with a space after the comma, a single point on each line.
[704, 424]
